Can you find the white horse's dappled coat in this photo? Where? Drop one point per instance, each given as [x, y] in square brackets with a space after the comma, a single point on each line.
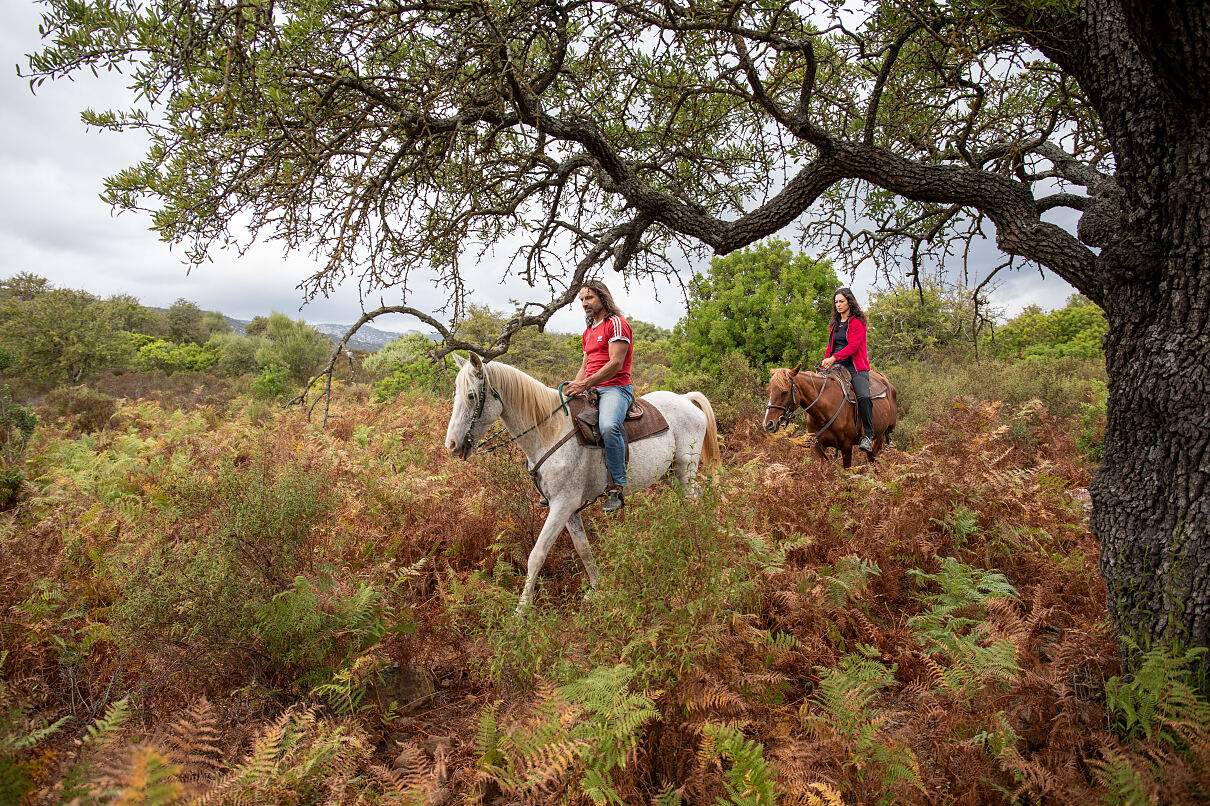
[573, 474]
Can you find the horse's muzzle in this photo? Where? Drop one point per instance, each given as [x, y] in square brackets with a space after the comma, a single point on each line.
[461, 449]
[771, 426]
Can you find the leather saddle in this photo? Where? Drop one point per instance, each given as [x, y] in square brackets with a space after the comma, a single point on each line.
[642, 421]
[878, 384]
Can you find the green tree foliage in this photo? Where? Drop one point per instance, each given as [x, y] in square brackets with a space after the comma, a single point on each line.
[551, 358]
[406, 364]
[910, 322]
[134, 317]
[215, 323]
[257, 326]
[767, 302]
[1076, 330]
[186, 323]
[17, 425]
[169, 357]
[293, 345]
[23, 287]
[236, 354]
[60, 335]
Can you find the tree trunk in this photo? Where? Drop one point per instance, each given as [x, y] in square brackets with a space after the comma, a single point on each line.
[1151, 501]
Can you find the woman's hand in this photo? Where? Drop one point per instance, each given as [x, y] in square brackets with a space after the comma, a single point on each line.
[827, 362]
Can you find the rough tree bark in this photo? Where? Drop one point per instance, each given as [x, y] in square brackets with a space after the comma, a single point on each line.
[1143, 66]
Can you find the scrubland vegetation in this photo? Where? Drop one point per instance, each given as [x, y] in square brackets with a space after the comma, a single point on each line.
[206, 598]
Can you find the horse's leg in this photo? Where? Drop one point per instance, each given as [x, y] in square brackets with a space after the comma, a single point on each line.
[579, 539]
[846, 456]
[560, 510]
[684, 463]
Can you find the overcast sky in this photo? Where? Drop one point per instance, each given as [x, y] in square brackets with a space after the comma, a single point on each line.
[53, 223]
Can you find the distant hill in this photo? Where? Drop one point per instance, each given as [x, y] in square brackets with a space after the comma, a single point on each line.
[367, 339]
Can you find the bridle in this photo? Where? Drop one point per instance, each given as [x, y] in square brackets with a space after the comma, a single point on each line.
[784, 419]
[493, 442]
[786, 411]
[470, 427]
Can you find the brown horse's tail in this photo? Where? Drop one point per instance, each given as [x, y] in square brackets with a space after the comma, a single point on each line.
[710, 454]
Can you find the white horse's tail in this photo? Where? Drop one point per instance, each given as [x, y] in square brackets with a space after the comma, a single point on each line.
[710, 454]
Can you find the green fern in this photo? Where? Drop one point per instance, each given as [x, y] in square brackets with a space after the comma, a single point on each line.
[962, 523]
[843, 704]
[1161, 690]
[749, 781]
[1124, 784]
[96, 736]
[578, 735]
[17, 736]
[952, 630]
[849, 579]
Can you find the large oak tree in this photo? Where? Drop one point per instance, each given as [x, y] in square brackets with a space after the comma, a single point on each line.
[398, 137]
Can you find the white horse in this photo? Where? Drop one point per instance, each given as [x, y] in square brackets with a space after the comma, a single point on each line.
[570, 474]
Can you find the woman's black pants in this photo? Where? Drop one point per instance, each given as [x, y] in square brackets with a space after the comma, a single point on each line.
[865, 406]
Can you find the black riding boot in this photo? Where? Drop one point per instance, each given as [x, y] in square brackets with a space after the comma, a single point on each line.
[865, 407]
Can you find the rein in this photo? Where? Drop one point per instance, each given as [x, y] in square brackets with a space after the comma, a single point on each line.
[491, 439]
[789, 410]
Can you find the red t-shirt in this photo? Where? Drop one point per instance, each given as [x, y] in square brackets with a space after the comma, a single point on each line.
[596, 342]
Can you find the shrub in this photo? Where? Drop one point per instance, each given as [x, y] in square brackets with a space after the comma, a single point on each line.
[17, 425]
[243, 537]
[407, 367]
[273, 383]
[1091, 438]
[734, 393]
[236, 354]
[169, 357]
[927, 391]
[83, 410]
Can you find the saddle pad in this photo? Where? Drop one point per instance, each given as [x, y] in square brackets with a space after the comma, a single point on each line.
[647, 422]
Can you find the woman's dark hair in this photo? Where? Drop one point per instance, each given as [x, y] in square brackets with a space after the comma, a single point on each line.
[854, 308]
[611, 307]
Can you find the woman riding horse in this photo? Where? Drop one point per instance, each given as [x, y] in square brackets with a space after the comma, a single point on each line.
[846, 346]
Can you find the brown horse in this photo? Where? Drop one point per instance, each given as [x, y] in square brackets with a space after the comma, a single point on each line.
[830, 409]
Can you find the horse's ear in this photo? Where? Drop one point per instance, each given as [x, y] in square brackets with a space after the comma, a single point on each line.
[796, 368]
[459, 360]
[477, 362]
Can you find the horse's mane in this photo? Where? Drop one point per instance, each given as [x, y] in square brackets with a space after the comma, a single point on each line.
[524, 395]
[781, 379]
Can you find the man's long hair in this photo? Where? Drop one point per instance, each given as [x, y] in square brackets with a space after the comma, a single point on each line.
[611, 307]
[855, 311]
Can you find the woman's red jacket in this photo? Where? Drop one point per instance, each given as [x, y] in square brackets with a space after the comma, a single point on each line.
[855, 349]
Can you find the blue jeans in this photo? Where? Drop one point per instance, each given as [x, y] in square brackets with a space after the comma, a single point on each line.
[614, 403]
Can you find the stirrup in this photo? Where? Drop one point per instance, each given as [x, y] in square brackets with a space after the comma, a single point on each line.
[614, 501]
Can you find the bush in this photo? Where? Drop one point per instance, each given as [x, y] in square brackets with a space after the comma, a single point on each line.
[407, 367]
[239, 539]
[273, 383]
[734, 393]
[170, 358]
[82, 410]
[927, 391]
[294, 345]
[236, 354]
[1091, 438]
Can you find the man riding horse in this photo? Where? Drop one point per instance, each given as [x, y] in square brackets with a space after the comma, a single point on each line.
[608, 346]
